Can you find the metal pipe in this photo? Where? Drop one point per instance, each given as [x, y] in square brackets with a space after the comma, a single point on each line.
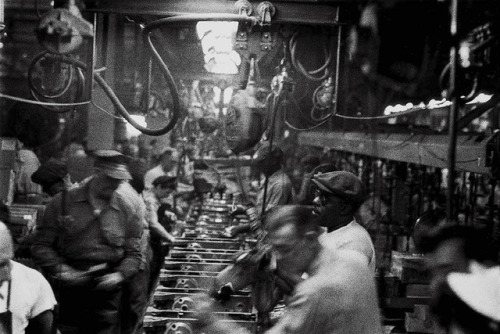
[452, 118]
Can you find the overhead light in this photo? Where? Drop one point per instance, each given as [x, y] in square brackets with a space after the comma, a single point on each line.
[217, 44]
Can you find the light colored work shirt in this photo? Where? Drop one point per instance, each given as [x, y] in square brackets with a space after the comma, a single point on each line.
[354, 237]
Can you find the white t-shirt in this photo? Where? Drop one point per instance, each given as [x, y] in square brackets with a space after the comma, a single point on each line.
[354, 237]
[30, 296]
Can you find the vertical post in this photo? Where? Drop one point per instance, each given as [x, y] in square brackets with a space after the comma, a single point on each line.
[452, 132]
[2, 15]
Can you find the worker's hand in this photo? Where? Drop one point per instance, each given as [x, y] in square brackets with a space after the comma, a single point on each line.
[110, 281]
[172, 216]
[238, 210]
[170, 239]
[229, 232]
[71, 276]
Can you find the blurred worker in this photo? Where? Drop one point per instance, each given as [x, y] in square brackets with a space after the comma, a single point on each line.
[169, 160]
[302, 177]
[53, 176]
[163, 188]
[452, 248]
[269, 161]
[249, 268]
[25, 191]
[338, 296]
[470, 302]
[339, 194]
[277, 190]
[26, 298]
[89, 243]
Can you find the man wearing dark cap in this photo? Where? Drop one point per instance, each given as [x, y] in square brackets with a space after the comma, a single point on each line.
[163, 187]
[337, 196]
[53, 176]
[89, 244]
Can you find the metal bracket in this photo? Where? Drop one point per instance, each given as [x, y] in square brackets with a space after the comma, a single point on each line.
[266, 41]
[241, 37]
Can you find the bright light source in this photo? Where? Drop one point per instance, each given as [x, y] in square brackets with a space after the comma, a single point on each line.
[133, 132]
[216, 95]
[481, 98]
[217, 44]
[228, 94]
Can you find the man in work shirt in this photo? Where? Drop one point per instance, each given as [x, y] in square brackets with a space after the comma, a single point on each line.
[337, 297]
[89, 244]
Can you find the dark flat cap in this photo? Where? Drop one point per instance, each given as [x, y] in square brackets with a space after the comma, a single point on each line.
[112, 163]
[50, 172]
[342, 184]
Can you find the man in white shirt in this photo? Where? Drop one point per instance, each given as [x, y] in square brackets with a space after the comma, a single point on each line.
[26, 298]
[337, 197]
[169, 159]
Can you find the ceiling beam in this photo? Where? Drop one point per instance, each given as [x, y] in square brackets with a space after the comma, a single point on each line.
[427, 150]
[304, 12]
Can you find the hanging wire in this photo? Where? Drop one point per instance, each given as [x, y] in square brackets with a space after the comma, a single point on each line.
[105, 111]
[40, 103]
[310, 74]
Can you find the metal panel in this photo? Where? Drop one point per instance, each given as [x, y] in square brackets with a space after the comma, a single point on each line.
[429, 150]
[286, 12]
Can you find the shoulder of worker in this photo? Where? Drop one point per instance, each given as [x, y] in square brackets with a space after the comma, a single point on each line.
[127, 195]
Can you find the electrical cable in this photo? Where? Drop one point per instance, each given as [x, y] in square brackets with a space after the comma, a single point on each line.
[299, 67]
[116, 101]
[40, 103]
[293, 127]
[163, 67]
[436, 156]
[105, 111]
[32, 87]
[402, 113]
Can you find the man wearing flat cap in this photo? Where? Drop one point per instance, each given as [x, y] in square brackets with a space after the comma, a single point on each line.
[53, 176]
[89, 244]
[337, 196]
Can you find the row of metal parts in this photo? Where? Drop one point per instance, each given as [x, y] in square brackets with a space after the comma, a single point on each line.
[190, 268]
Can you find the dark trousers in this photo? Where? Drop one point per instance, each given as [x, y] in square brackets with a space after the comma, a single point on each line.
[159, 251]
[85, 310]
[135, 300]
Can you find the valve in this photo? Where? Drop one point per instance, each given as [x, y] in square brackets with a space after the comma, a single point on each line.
[186, 283]
[178, 328]
[183, 304]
